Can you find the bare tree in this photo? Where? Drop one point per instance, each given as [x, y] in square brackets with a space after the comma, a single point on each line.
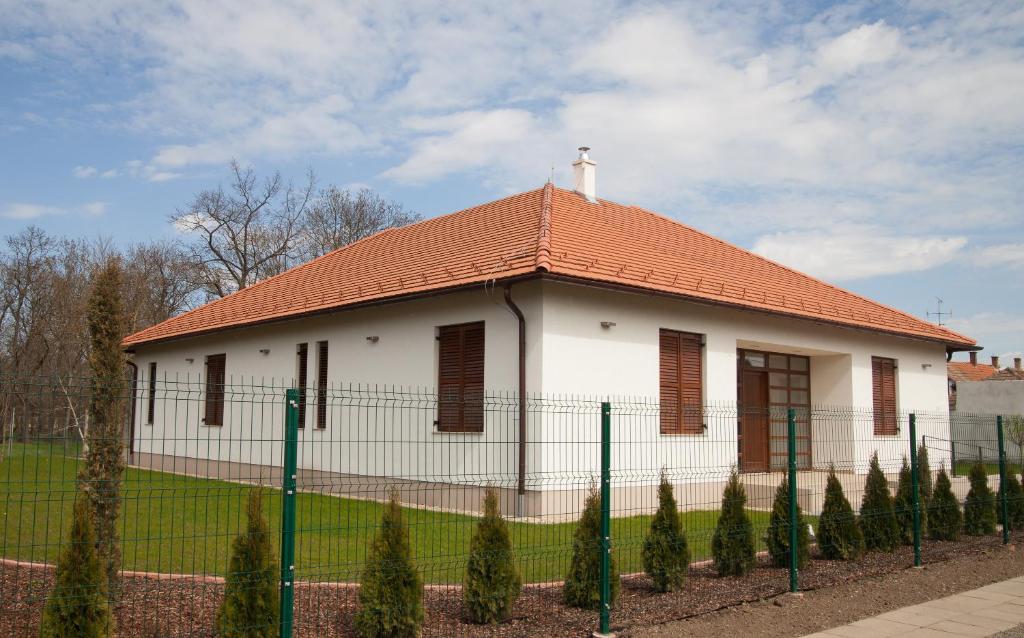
[338, 217]
[245, 234]
[160, 281]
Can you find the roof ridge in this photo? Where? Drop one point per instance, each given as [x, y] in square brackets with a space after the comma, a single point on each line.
[544, 232]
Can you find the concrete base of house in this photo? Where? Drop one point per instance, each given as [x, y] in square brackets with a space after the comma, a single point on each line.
[559, 500]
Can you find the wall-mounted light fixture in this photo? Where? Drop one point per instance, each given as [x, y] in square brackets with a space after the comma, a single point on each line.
[189, 360]
[264, 351]
[607, 324]
[373, 338]
[925, 366]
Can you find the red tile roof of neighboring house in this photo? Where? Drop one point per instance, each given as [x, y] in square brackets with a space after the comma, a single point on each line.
[967, 371]
[554, 231]
[1007, 374]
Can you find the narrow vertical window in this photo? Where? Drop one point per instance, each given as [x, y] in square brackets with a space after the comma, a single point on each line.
[215, 364]
[681, 382]
[461, 378]
[321, 385]
[883, 385]
[151, 399]
[302, 361]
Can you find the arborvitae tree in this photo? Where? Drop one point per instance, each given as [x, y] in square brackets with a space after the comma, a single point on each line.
[1014, 502]
[732, 545]
[777, 537]
[391, 592]
[839, 535]
[944, 517]
[904, 504]
[583, 584]
[877, 515]
[924, 475]
[980, 506]
[666, 552]
[100, 476]
[492, 581]
[78, 605]
[251, 605]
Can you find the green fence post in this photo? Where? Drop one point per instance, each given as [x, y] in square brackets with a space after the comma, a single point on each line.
[1003, 510]
[794, 553]
[291, 448]
[606, 518]
[915, 490]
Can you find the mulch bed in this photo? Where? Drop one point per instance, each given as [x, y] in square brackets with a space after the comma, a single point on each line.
[170, 608]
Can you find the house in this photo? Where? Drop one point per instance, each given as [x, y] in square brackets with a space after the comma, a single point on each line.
[548, 293]
[1001, 392]
[978, 401]
[957, 371]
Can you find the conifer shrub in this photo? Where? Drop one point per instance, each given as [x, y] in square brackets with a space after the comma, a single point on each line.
[666, 552]
[839, 534]
[583, 584]
[390, 591]
[1014, 502]
[251, 605]
[877, 515]
[904, 504]
[732, 545]
[944, 517]
[777, 536]
[78, 606]
[924, 475]
[492, 581]
[980, 505]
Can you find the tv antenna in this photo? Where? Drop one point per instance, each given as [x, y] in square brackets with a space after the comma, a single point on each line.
[939, 314]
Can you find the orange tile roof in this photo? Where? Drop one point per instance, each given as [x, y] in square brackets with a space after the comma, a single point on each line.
[548, 230]
[966, 371]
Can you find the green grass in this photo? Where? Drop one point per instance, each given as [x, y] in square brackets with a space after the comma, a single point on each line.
[963, 467]
[178, 524]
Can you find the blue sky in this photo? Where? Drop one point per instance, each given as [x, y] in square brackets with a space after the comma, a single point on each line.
[879, 146]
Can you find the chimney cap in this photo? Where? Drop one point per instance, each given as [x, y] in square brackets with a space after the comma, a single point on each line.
[995, 361]
[583, 152]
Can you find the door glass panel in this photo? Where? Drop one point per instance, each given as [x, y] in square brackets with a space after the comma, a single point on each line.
[799, 396]
[798, 363]
[754, 359]
[778, 378]
[798, 381]
[777, 395]
[777, 361]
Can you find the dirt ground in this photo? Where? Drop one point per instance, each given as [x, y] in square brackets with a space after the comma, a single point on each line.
[836, 593]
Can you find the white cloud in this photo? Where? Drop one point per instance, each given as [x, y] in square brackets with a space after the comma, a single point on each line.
[107, 174]
[999, 255]
[849, 254]
[94, 208]
[15, 51]
[1001, 333]
[865, 45]
[26, 211]
[83, 172]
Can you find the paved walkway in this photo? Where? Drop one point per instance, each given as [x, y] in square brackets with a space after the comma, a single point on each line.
[981, 612]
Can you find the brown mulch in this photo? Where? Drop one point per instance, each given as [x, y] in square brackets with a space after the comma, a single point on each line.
[170, 608]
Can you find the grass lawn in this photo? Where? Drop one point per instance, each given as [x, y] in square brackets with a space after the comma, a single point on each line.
[963, 467]
[172, 523]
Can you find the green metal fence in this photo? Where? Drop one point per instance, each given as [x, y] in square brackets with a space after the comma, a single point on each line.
[187, 480]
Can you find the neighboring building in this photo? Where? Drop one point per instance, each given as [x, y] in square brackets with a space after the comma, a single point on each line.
[999, 393]
[554, 292]
[957, 371]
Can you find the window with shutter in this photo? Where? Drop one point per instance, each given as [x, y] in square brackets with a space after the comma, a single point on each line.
[151, 407]
[681, 382]
[321, 385]
[302, 356]
[215, 364]
[460, 376]
[883, 382]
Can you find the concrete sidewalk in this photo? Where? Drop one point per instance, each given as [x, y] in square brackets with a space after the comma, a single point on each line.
[980, 612]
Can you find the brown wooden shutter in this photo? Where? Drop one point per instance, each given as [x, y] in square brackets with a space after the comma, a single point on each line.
[215, 365]
[681, 383]
[883, 382]
[151, 406]
[321, 386]
[461, 378]
[303, 357]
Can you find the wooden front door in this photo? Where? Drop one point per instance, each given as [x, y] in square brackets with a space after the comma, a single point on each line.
[753, 421]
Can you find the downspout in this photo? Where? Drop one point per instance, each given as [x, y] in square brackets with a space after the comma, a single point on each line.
[521, 488]
[131, 413]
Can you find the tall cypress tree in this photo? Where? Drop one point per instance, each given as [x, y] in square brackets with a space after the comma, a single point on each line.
[924, 475]
[839, 535]
[582, 586]
[1014, 502]
[777, 536]
[391, 591]
[251, 605]
[980, 506]
[100, 475]
[904, 504]
[666, 553]
[492, 581]
[78, 607]
[877, 515]
[732, 545]
[944, 517]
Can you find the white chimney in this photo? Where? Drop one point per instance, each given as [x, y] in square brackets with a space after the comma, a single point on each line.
[584, 176]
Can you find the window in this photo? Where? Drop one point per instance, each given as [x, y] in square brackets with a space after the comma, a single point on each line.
[302, 356]
[460, 376]
[215, 389]
[883, 382]
[321, 385]
[681, 381]
[151, 400]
